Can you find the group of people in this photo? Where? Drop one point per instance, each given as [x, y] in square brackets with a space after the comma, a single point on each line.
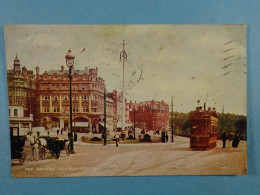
[60, 131]
[235, 141]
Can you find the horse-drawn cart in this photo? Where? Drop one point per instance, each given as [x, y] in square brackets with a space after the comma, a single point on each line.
[54, 145]
[17, 145]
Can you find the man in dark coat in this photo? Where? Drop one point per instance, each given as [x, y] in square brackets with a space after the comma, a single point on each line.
[75, 137]
[236, 140]
[166, 137]
[224, 138]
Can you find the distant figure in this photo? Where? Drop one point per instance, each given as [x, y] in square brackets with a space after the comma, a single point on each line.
[224, 138]
[166, 137]
[58, 131]
[75, 137]
[38, 134]
[236, 140]
[61, 131]
[117, 139]
[48, 132]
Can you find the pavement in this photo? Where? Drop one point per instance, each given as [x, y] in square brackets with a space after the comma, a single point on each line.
[137, 160]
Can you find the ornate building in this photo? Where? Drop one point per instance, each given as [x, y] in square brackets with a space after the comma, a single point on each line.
[150, 115]
[52, 92]
[46, 96]
[117, 111]
[21, 94]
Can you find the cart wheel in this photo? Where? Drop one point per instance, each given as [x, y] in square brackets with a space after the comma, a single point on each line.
[42, 153]
[23, 158]
[68, 151]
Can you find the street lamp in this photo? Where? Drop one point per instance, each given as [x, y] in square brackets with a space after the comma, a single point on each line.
[70, 61]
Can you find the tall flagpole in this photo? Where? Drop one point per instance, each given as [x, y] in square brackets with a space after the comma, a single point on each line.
[123, 57]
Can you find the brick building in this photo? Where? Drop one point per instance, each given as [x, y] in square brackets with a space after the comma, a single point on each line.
[52, 92]
[21, 94]
[117, 110]
[46, 96]
[150, 115]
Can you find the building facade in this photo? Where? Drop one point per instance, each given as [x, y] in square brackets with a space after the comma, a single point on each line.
[150, 115]
[52, 99]
[21, 94]
[117, 111]
[45, 97]
[17, 119]
[21, 88]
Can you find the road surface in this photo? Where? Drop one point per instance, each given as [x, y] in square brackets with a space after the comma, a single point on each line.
[137, 160]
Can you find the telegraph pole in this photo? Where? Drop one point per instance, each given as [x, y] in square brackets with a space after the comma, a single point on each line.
[105, 117]
[172, 120]
[123, 57]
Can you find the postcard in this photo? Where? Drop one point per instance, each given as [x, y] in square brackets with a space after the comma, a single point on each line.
[127, 100]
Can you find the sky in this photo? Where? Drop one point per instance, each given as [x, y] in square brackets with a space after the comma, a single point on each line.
[186, 62]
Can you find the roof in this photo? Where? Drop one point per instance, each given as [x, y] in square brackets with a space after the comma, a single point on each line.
[10, 71]
[59, 72]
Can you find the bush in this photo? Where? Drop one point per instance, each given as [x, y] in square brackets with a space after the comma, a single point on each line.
[147, 138]
[95, 139]
[130, 137]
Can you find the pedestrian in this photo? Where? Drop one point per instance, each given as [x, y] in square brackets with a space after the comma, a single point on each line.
[166, 137]
[58, 131]
[236, 140]
[117, 139]
[224, 138]
[75, 137]
[61, 131]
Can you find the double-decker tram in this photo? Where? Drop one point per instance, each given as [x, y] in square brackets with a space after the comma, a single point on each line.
[204, 128]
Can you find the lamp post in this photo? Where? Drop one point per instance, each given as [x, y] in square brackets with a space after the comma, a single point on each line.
[172, 122]
[134, 119]
[70, 61]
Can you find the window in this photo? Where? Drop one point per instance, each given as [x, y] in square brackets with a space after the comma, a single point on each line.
[46, 109]
[15, 112]
[56, 109]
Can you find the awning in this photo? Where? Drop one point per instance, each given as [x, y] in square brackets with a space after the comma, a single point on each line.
[102, 124]
[80, 124]
[119, 125]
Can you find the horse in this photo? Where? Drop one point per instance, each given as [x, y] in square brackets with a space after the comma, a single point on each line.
[36, 144]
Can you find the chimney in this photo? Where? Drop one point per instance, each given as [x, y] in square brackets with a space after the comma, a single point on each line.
[37, 70]
[62, 68]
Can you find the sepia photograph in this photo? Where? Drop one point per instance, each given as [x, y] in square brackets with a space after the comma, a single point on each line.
[127, 100]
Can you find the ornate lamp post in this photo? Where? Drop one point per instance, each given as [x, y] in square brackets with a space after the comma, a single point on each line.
[70, 61]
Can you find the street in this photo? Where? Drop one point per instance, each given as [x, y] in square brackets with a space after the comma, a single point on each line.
[137, 160]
